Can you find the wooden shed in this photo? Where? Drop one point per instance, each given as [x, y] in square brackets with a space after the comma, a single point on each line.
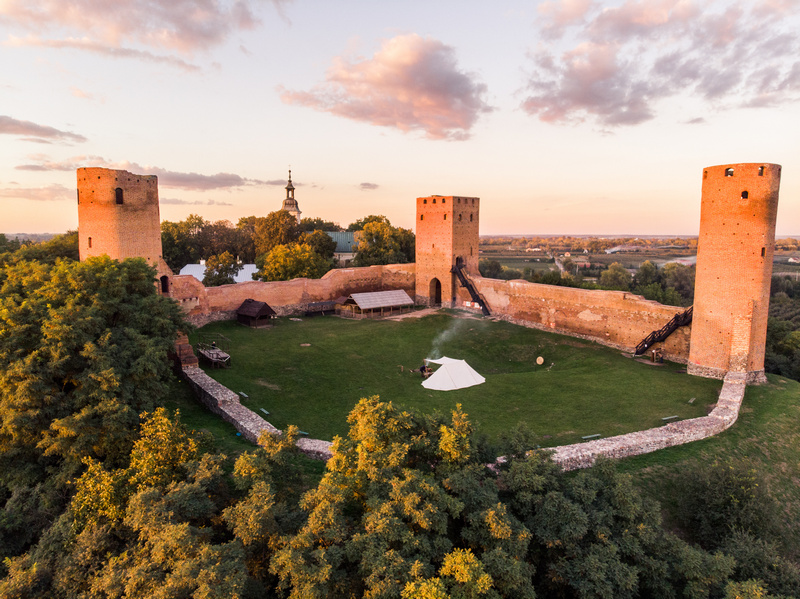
[255, 314]
[375, 304]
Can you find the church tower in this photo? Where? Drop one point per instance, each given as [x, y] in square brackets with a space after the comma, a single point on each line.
[289, 203]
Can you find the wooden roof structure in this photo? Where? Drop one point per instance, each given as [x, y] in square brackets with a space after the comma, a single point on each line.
[254, 313]
[380, 299]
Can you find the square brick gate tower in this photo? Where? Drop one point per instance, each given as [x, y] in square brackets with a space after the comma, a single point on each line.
[447, 236]
[118, 216]
[734, 270]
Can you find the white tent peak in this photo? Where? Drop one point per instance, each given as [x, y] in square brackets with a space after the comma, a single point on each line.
[452, 374]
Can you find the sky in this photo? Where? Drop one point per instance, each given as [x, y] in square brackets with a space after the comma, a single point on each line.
[563, 116]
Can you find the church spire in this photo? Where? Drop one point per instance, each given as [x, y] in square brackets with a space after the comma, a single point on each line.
[289, 203]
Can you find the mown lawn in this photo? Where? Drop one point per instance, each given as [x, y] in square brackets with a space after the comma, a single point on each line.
[312, 372]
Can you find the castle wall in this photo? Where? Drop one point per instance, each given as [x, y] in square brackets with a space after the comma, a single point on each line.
[447, 230]
[615, 318]
[734, 269]
[205, 304]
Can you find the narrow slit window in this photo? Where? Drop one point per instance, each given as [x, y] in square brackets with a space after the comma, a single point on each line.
[445, 217]
[470, 218]
[90, 243]
[421, 217]
[434, 200]
[763, 252]
[760, 171]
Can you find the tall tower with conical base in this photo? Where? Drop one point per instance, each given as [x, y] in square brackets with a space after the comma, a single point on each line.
[289, 203]
[734, 270]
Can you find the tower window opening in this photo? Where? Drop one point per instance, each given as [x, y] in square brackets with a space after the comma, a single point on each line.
[90, 243]
[421, 217]
[729, 172]
[459, 218]
[470, 218]
[118, 195]
[445, 217]
[760, 171]
[434, 200]
[424, 201]
[744, 195]
[444, 200]
[763, 252]
[705, 174]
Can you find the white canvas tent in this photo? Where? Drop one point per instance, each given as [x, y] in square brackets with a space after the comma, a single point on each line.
[452, 374]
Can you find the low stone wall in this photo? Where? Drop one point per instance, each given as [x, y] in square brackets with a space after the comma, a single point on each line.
[724, 414]
[225, 403]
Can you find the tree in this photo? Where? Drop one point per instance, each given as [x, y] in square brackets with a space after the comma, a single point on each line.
[615, 277]
[381, 243]
[291, 261]
[317, 224]
[277, 228]
[490, 269]
[221, 270]
[646, 275]
[322, 243]
[363, 222]
[82, 352]
[680, 278]
[8, 245]
[180, 242]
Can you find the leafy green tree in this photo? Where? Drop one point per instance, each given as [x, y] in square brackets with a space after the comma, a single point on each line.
[361, 223]
[180, 241]
[277, 228]
[680, 278]
[381, 243]
[291, 261]
[221, 270]
[646, 275]
[320, 242]
[82, 352]
[490, 269]
[317, 224]
[615, 277]
[8, 245]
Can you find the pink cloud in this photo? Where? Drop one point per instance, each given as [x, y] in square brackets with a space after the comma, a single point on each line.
[94, 47]
[166, 178]
[183, 25]
[411, 84]
[558, 14]
[35, 132]
[618, 63]
[51, 193]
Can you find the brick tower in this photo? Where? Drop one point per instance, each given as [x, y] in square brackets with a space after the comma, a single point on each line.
[118, 216]
[447, 235]
[734, 269]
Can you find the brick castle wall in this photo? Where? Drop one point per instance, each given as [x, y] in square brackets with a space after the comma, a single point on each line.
[205, 304]
[615, 318]
[447, 230]
[734, 268]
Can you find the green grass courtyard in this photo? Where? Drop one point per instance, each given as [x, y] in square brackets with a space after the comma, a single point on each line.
[311, 372]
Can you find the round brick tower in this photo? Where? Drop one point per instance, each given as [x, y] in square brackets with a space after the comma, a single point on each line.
[118, 216]
[734, 269]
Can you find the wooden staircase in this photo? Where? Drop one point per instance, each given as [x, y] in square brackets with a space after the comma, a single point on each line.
[679, 320]
[458, 270]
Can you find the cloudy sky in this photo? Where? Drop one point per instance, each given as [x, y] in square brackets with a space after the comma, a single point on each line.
[563, 116]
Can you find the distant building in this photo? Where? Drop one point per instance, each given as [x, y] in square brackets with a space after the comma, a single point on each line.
[346, 244]
[289, 203]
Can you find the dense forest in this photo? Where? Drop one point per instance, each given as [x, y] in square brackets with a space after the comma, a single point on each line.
[106, 494]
